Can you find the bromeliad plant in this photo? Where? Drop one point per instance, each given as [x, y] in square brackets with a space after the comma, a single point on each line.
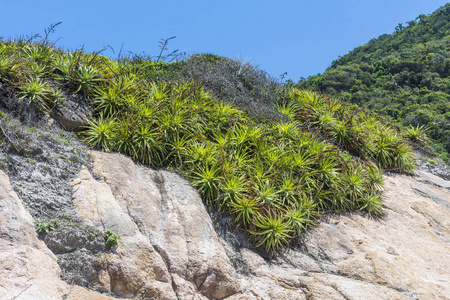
[41, 93]
[272, 231]
[274, 177]
[417, 134]
[355, 130]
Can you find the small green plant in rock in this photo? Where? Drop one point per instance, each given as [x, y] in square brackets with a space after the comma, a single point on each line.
[371, 204]
[86, 78]
[299, 218]
[111, 239]
[10, 67]
[244, 209]
[46, 227]
[67, 217]
[35, 90]
[273, 232]
[233, 189]
[207, 181]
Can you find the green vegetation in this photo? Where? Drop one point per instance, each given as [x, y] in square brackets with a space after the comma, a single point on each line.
[111, 239]
[403, 76]
[272, 169]
[46, 227]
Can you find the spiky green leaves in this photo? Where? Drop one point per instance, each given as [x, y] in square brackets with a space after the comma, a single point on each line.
[244, 209]
[355, 130]
[207, 181]
[417, 134]
[41, 93]
[355, 181]
[100, 133]
[133, 138]
[10, 67]
[146, 145]
[34, 90]
[371, 203]
[272, 177]
[85, 78]
[233, 190]
[287, 130]
[272, 232]
[299, 218]
[110, 100]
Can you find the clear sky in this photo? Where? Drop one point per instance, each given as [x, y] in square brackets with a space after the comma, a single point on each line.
[299, 37]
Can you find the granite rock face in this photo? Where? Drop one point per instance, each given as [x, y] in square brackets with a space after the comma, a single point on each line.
[169, 247]
[28, 269]
[73, 115]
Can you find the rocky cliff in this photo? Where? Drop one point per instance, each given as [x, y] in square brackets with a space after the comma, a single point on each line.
[81, 224]
[170, 247]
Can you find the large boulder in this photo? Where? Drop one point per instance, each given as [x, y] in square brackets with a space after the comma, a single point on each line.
[405, 251]
[165, 212]
[346, 256]
[169, 247]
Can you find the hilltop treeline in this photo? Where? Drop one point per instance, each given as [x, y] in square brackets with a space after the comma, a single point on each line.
[403, 75]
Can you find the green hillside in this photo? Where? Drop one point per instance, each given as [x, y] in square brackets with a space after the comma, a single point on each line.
[271, 157]
[404, 76]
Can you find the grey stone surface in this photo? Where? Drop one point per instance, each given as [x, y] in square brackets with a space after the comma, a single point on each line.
[73, 114]
[28, 269]
[169, 248]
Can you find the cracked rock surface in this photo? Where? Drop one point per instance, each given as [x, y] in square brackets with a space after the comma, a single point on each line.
[404, 255]
[169, 248]
[28, 269]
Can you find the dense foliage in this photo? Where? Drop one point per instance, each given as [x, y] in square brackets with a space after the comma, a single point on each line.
[274, 175]
[404, 76]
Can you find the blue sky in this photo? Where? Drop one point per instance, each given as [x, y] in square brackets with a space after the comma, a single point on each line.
[299, 37]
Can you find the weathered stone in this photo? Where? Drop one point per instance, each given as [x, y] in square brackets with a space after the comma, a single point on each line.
[135, 268]
[73, 115]
[23, 255]
[79, 293]
[172, 216]
[168, 247]
[407, 250]
[329, 242]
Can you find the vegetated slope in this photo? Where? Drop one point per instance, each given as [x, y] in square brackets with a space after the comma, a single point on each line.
[404, 76]
[273, 170]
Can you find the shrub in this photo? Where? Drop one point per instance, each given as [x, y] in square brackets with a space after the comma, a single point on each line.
[235, 82]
